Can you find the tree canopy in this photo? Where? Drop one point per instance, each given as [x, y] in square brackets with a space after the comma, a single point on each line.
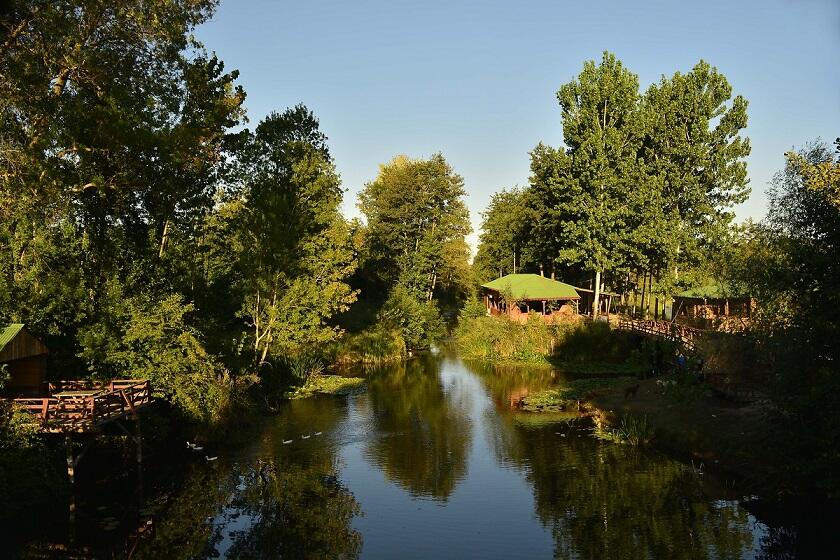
[644, 183]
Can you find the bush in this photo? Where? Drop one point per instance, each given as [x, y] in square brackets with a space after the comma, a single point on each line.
[572, 342]
[152, 339]
[633, 430]
[418, 322]
[473, 309]
[28, 477]
[374, 345]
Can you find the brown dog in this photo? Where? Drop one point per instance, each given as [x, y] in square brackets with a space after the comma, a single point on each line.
[631, 391]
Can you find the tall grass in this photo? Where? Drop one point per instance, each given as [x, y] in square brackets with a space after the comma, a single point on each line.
[496, 338]
[632, 430]
[570, 342]
[371, 346]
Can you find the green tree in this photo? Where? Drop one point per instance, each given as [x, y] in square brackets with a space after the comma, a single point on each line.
[416, 224]
[791, 264]
[594, 186]
[505, 242]
[292, 245]
[112, 128]
[694, 144]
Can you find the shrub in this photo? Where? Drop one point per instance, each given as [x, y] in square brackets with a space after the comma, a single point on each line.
[633, 430]
[473, 309]
[374, 345]
[153, 339]
[419, 322]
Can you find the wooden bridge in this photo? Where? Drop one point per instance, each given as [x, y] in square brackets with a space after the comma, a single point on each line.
[681, 334]
[83, 406]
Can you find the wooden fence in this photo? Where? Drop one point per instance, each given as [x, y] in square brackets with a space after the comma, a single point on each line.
[681, 334]
[75, 406]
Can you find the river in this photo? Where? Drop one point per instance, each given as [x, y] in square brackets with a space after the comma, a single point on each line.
[433, 461]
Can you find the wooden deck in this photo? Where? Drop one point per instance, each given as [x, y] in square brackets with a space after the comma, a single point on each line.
[78, 406]
[683, 335]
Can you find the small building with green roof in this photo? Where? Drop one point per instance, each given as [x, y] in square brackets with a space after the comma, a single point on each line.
[516, 295]
[25, 361]
[710, 303]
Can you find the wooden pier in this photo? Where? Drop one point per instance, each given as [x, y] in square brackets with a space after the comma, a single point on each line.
[82, 407]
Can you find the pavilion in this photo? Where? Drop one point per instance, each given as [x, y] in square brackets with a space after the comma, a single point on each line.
[516, 295]
[711, 303]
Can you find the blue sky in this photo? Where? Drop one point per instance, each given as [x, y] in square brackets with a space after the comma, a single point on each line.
[476, 80]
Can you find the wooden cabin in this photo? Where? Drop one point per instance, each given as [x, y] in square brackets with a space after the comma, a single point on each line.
[25, 360]
[711, 304]
[517, 295]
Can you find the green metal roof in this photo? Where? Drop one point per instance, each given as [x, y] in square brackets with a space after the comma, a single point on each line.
[711, 291]
[9, 333]
[532, 287]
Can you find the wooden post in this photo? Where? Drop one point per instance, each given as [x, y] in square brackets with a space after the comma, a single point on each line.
[71, 462]
[138, 440]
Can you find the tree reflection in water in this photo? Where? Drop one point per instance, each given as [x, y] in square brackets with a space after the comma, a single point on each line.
[287, 502]
[422, 432]
[602, 500]
[450, 432]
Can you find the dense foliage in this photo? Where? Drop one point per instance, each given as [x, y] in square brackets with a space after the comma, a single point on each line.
[414, 247]
[790, 264]
[643, 186]
[144, 234]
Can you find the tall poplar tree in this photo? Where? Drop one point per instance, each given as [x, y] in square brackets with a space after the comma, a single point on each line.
[505, 242]
[694, 145]
[592, 186]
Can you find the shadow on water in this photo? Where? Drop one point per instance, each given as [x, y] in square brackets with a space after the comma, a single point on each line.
[435, 460]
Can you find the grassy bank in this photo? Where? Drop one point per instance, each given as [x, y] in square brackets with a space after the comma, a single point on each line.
[574, 346]
[699, 425]
[329, 385]
[688, 421]
[573, 395]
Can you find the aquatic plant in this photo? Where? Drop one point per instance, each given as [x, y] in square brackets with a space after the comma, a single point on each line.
[329, 385]
[304, 366]
[632, 430]
[572, 393]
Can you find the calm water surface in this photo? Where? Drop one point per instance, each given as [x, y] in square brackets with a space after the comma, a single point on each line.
[434, 462]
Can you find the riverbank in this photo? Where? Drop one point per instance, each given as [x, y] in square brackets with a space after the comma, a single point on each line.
[689, 422]
[329, 385]
[707, 429]
[573, 345]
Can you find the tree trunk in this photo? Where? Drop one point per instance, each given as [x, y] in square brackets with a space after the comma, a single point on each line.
[164, 238]
[644, 285]
[595, 306]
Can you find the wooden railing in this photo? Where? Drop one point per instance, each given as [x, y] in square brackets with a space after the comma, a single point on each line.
[686, 336]
[78, 413]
